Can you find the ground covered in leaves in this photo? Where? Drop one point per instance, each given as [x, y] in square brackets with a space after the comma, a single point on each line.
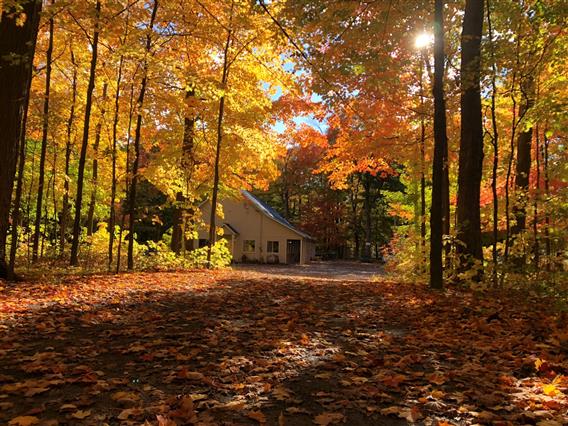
[241, 347]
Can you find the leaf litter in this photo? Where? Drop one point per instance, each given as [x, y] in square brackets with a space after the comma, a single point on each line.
[234, 347]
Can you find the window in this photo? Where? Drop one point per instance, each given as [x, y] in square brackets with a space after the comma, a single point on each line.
[248, 246]
[272, 247]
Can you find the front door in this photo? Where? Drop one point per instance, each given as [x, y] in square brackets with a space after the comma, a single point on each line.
[293, 251]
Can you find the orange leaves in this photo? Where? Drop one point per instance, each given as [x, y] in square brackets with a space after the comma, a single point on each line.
[287, 349]
[24, 421]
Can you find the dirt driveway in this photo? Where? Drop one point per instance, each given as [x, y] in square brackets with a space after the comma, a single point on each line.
[330, 270]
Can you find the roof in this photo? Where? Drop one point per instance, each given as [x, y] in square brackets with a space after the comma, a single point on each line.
[272, 214]
[231, 228]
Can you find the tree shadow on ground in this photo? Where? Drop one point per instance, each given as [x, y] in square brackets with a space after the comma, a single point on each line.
[374, 353]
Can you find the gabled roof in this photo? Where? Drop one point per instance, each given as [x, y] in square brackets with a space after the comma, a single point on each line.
[231, 228]
[268, 211]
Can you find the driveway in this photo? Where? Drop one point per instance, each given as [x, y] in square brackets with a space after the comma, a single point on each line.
[330, 270]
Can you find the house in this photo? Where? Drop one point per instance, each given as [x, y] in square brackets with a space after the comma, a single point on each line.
[258, 233]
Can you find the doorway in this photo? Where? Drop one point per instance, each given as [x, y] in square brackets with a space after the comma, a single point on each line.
[293, 251]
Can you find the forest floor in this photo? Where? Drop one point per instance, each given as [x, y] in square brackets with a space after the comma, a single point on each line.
[254, 347]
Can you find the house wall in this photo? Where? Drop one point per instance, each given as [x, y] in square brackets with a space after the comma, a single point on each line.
[252, 225]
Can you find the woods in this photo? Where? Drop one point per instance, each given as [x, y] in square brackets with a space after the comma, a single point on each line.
[348, 148]
[283, 212]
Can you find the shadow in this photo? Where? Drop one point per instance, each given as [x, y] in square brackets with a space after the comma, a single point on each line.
[291, 348]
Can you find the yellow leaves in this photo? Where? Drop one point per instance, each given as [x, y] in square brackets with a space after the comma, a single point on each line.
[551, 390]
[24, 421]
[325, 419]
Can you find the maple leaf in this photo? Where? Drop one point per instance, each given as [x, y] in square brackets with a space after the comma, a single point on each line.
[23, 421]
[127, 413]
[325, 419]
[80, 414]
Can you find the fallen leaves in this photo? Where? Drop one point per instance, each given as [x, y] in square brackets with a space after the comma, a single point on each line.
[325, 419]
[208, 348]
[24, 421]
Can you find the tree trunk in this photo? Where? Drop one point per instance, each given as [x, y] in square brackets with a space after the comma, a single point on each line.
[85, 142]
[536, 248]
[471, 137]
[127, 177]
[16, 41]
[187, 164]
[68, 145]
[547, 243]
[17, 214]
[112, 213]
[95, 176]
[422, 168]
[224, 78]
[367, 207]
[523, 168]
[440, 153]
[495, 142]
[137, 136]
[45, 128]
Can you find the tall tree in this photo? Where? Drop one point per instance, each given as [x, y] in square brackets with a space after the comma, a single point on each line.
[45, 129]
[85, 142]
[68, 146]
[95, 173]
[112, 213]
[471, 136]
[18, 33]
[224, 79]
[523, 167]
[440, 152]
[187, 163]
[137, 136]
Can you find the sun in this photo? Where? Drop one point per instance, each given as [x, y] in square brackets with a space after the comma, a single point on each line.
[423, 40]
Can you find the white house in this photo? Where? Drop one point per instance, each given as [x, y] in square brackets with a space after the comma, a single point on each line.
[256, 232]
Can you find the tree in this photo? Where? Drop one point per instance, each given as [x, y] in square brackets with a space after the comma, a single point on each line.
[18, 34]
[85, 141]
[440, 153]
[471, 136]
[137, 136]
[45, 128]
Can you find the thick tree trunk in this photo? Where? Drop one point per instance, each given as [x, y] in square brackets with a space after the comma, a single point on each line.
[43, 153]
[17, 214]
[187, 164]
[471, 137]
[95, 175]
[523, 168]
[422, 168]
[213, 216]
[68, 145]
[16, 41]
[440, 153]
[85, 142]
[137, 136]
